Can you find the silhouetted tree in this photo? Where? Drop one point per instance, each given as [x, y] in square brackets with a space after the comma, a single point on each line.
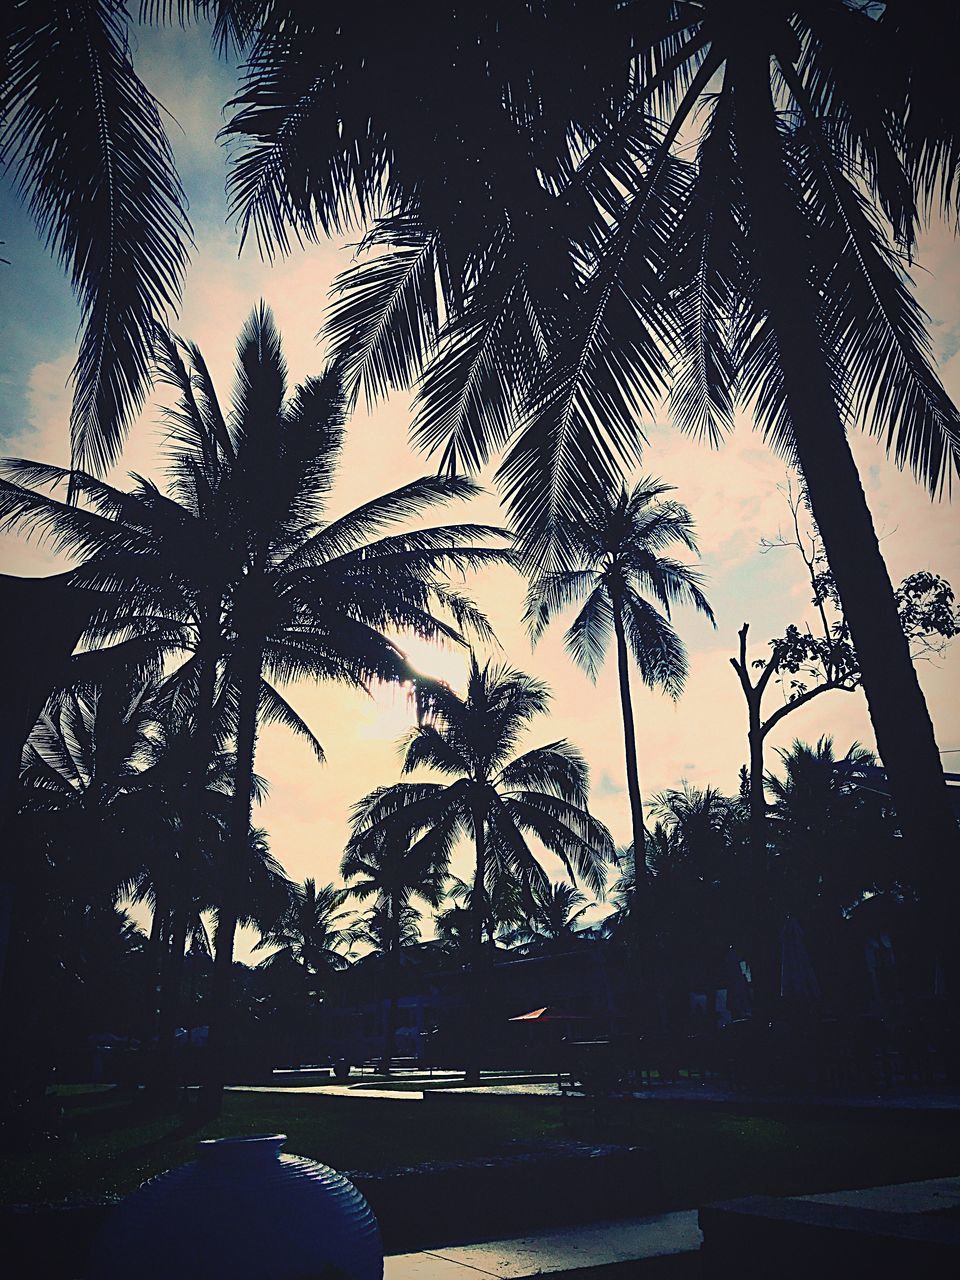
[552, 924]
[392, 875]
[767, 268]
[495, 797]
[619, 556]
[809, 661]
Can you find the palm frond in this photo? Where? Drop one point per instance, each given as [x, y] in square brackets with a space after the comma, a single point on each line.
[550, 593]
[384, 319]
[488, 354]
[578, 840]
[878, 330]
[588, 635]
[429, 748]
[274, 708]
[96, 169]
[351, 531]
[557, 769]
[658, 651]
[704, 371]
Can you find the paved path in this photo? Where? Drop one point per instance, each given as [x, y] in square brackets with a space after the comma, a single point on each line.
[934, 1195]
[631, 1240]
[596, 1245]
[896, 1099]
[330, 1090]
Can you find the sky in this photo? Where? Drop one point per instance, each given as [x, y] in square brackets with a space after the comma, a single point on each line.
[734, 494]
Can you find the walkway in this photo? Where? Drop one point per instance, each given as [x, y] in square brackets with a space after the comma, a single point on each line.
[633, 1240]
[897, 1098]
[597, 1245]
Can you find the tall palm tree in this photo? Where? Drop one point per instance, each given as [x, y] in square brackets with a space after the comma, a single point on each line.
[158, 567]
[278, 591]
[767, 269]
[619, 556]
[788, 294]
[831, 335]
[315, 597]
[495, 798]
[392, 875]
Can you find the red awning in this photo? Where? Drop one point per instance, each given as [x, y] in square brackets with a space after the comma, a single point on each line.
[548, 1014]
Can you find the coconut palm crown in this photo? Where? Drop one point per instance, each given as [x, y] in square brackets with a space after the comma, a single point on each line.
[620, 560]
[493, 796]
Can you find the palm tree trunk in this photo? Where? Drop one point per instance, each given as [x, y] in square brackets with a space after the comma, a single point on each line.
[393, 980]
[476, 984]
[191, 835]
[159, 928]
[170, 1000]
[630, 748]
[899, 714]
[249, 669]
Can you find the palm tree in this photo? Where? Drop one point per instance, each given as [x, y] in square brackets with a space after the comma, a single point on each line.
[314, 597]
[698, 825]
[157, 567]
[88, 804]
[495, 798]
[392, 875]
[312, 936]
[102, 789]
[278, 592]
[618, 558]
[776, 230]
[551, 924]
[764, 268]
[832, 832]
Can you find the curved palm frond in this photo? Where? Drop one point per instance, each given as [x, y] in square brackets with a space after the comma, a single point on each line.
[97, 172]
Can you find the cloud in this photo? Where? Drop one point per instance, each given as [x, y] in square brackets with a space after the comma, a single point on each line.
[607, 786]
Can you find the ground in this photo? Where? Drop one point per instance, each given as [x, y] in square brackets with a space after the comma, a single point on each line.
[107, 1145]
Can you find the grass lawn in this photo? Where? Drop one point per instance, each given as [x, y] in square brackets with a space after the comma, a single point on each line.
[706, 1152]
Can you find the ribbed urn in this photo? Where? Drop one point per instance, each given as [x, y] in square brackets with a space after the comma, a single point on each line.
[242, 1210]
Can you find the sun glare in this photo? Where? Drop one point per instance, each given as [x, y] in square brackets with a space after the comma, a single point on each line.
[440, 662]
[393, 710]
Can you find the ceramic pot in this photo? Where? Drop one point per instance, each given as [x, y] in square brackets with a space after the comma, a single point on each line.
[242, 1209]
